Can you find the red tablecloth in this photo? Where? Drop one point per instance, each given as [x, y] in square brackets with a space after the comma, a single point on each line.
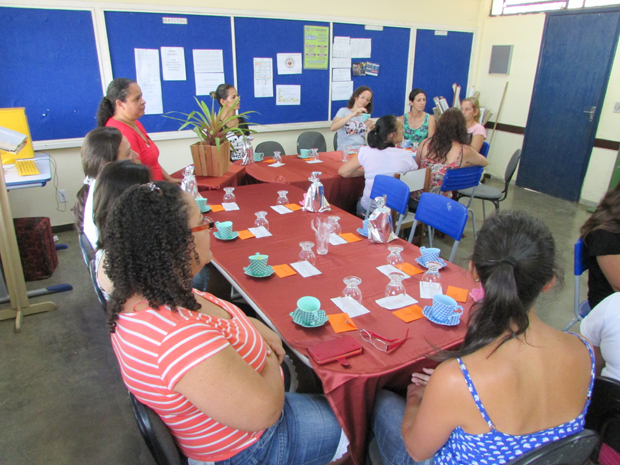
[350, 391]
[341, 192]
[233, 178]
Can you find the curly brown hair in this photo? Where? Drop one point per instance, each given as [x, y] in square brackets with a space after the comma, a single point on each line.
[606, 216]
[450, 128]
[149, 248]
[356, 93]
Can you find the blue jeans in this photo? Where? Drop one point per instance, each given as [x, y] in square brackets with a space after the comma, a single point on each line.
[386, 420]
[307, 433]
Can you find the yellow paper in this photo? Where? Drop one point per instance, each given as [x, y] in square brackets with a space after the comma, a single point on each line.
[15, 119]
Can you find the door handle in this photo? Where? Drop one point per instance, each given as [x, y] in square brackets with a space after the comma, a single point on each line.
[591, 113]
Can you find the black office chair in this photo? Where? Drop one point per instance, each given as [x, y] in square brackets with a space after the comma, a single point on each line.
[336, 141]
[604, 412]
[88, 254]
[269, 147]
[92, 271]
[311, 140]
[156, 434]
[572, 450]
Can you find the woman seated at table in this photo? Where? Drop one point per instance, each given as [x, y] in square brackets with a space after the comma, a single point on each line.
[602, 328]
[380, 157]
[417, 124]
[120, 108]
[228, 99]
[515, 383]
[212, 373]
[471, 110]
[601, 234]
[100, 147]
[446, 150]
[349, 122]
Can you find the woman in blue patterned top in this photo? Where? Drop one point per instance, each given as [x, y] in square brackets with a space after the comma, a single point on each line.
[514, 385]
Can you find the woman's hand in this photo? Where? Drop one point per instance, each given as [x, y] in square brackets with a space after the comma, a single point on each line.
[421, 379]
[370, 124]
[415, 392]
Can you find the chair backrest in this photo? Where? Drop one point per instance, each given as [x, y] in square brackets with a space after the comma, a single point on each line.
[88, 254]
[571, 450]
[269, 147]
[604, 412]
[581, 257]
[336, 141]
[311, 140]
[443, 213]
[462, 178]
[92, 271]
[417, 180]
[484, 150]
[156, 434]
[397, 192]
[512, 167]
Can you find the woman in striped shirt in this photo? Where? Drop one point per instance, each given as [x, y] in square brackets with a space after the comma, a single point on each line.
[210, 372]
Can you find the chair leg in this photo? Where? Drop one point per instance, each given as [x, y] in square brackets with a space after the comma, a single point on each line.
[430, 236]
[484, 211]
[453, 253]
[473, 220]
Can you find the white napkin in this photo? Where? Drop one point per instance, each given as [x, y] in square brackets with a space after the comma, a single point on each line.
[305, 269]
[315, 161]
[390, 303]
[335, 239]
[276, 165]
[259, 232]
[281, 209]
[433, 289]
[389, 269]
[230, 206]
[353, 309]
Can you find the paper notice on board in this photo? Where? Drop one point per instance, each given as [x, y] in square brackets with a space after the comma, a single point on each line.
[361, 48]
[342, 90]
[208, 82]
[316, 47]
[341, 47]
[263, 77]
[147, 77]
[288, 95]
[341, 74]
[289, 63]
[173, 63]
[341, 62]
[208, 61]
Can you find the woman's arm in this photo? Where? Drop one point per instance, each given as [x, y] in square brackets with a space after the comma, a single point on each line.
[600, 361]
[340, 122]
[610, 266]
[431, 127]
[471, 157]
[476, 142]
[351, 169]
[418, 155]
[270, 337]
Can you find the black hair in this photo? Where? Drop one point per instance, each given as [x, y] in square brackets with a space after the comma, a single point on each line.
[356, 93]
[117, 90]
[514, 257]
[378, 138]
[450, 128]
[149, 247]
[221, 93]
[114, 179]
[99, 148]
[413, 94]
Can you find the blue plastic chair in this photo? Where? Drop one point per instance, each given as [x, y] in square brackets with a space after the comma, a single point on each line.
[397, 195]
[464, 178]
[580, 265]
[444, 214]
[484, 150]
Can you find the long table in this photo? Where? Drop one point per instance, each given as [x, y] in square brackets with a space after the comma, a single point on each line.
[350, 391]
[235, 176]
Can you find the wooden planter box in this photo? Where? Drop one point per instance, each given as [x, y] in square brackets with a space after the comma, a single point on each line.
[207, 160]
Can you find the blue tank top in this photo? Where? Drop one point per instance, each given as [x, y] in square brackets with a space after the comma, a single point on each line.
[496, 447]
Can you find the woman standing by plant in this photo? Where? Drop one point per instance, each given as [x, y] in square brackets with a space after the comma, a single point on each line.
[417, 124]
[230, 101]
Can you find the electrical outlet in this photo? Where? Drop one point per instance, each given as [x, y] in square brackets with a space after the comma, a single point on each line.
[617, 107]
[62, 196]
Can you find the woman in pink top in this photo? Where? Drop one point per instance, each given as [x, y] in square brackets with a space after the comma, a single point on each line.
[120, 108]
[471, 110]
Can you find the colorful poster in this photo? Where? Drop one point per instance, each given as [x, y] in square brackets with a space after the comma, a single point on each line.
[316, 47]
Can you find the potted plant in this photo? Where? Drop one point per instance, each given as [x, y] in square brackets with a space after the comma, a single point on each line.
[211, 154]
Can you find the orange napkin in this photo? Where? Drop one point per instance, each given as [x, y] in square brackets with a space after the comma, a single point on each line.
[293, 206]
[268, 160]
[350, 237]
[410, 313]
[245, 234]
[284, 270]
[341, 322]
[216, 208]
[458, 294]
[410, 269]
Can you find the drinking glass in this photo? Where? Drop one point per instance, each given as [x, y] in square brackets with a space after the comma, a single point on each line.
[276, 157]
[306, 252]
[322, 230]
[229, 197]
[333, 220]
[345, 153]
[315, 154]
[394, 257]
[395, 288]
[282, 198]
[261, 220]
[431, 279]
[351, 295]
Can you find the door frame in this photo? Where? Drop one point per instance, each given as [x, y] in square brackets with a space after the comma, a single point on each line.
[597, 115]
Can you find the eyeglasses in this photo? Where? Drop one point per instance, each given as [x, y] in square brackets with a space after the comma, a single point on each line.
[207, 223]
[382, 343]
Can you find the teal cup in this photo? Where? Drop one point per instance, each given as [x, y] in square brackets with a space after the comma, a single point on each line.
[258, 156]
[258, 264]
[365, 117]
[309, 311]
[305, 153]
[202, 204]
[224, 229]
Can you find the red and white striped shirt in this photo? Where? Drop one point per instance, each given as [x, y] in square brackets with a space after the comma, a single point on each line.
[155, 348]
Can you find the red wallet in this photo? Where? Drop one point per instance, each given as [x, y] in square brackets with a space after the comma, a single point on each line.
[335, 350]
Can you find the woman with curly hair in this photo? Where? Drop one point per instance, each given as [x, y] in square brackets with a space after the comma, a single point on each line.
[448, 149]
[601, 233]
[207, 369]
[349, 122]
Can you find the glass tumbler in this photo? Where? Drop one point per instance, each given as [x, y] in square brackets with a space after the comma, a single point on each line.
[351, 295]
[261, 220]
[282, 198]
[315, 154]
[276, 157]
[431, 279]
[306, 252]
[395, 288]
[335, 225]
[229, 197]
[394, 258]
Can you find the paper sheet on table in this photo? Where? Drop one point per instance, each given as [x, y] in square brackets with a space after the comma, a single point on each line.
[263, 77]
[305, 269]
[231, 206]
[208, 82]
[428, 291]
[314, 161]
[289, 63]
[276, 165]
[389, 269]
[410, 269]
[342, 90]
[361, 48]
[457, 293]
[407, 314]
[147, 77]
[350, 306]
[341, 74]
[341, 322]
[341, 47]
[208, 61]
[335, 239]
[341, 63]
[350, 237]
[173, 63]
[288, 95]
[216, 208]
[394, 302]
[293, 206]
[284, 270]
[281, 209]
[245, 234]
[259, 232]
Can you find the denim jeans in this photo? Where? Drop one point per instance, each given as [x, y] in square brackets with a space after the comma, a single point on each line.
[386, 420]
[307, 433]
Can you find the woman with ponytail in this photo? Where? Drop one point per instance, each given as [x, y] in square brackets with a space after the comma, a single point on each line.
[380, 157]
[515, 383]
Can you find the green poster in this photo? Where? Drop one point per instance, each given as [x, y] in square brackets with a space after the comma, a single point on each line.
[316, 47]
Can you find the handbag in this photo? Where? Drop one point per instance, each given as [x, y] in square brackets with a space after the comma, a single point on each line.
[335, 350]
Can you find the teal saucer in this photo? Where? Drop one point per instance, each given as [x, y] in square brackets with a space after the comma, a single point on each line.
[270, 271]
[319, 323]
[234, 236]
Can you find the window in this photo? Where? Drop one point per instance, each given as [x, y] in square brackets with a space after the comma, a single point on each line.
[513, 7]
